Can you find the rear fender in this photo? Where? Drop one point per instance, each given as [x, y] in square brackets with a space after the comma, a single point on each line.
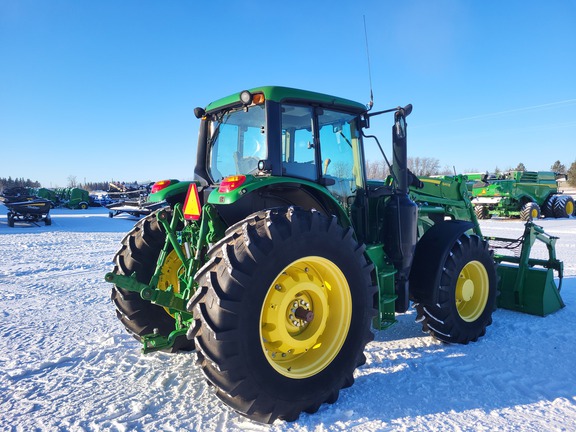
[173, 193]
[265, 193]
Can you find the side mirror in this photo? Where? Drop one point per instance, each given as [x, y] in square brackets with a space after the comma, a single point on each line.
[399, 125]
[400, 120]
[199, 112]
[407, 110]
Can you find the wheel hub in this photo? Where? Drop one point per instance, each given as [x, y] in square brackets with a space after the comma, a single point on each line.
[472, 290]
[467, 289]
[304, 314]
[305, 317]
[289, 326]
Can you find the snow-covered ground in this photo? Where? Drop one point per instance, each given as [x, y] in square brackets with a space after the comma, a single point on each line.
[66, 363]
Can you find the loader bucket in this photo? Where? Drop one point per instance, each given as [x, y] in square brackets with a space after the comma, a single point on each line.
[536, 293]
[527, 284]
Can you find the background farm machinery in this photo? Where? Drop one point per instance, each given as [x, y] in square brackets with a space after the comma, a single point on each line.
[524, 194]
[24, 206]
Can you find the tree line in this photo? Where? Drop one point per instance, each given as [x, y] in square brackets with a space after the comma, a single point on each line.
[7, 183]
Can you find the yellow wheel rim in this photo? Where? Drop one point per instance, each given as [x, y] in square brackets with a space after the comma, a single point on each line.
[472, 291]
[169, 274]
[534, 213]
[569, 208]
[305, 317]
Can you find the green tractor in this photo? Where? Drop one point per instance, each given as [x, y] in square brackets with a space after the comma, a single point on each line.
[525, 194]
[278, 259]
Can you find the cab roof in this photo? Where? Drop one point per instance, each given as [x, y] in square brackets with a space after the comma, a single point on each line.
[286, 94]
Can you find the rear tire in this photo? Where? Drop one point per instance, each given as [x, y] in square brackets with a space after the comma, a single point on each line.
[548, 206]
[139, 254]
[283, 313]
[10, 220]
[530, 211]
[466, 294]
[563, 206]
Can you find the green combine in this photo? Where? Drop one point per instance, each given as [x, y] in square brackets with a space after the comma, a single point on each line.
[524, 194]
[277, 261]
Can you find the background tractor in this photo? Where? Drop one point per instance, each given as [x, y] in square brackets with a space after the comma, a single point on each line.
[525, 194]
[278, 259]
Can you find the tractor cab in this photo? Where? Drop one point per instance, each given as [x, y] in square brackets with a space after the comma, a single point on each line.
[281, 132]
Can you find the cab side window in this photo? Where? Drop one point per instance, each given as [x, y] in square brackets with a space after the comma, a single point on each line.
[298, 147]
[339, 151]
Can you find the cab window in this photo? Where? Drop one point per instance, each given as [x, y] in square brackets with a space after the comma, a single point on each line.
[298, 147]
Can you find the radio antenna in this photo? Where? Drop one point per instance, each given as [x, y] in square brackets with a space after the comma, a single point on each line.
[371, 103]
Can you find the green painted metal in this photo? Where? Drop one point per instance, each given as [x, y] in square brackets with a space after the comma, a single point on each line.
[446, 196]
[386, 293]
[184, 241]
[73, 198]
[78, 198]
[534, 292]
[254, 184]
[168, 298]
[175, 188]
[280, 94]
[506, 195]
[528, 286]
[48, 194]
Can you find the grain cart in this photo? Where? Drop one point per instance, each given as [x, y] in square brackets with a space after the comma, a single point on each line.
[276, 261]
[524, 194]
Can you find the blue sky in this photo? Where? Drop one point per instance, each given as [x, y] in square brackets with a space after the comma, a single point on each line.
[105, 90]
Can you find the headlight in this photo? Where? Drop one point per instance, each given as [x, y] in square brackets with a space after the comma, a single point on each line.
[246, 97]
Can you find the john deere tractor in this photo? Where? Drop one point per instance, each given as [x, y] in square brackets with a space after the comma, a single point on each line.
[278, 259]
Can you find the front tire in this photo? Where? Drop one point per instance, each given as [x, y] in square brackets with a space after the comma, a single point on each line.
[283, 313]
[530, 211]
[481, 212]
[466, 292]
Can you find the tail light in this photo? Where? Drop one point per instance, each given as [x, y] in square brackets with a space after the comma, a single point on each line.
[162, 184]
[230, 183]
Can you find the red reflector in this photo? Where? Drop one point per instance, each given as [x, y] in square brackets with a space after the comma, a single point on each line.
[231, 183]
[159, 185]
[192, 203]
